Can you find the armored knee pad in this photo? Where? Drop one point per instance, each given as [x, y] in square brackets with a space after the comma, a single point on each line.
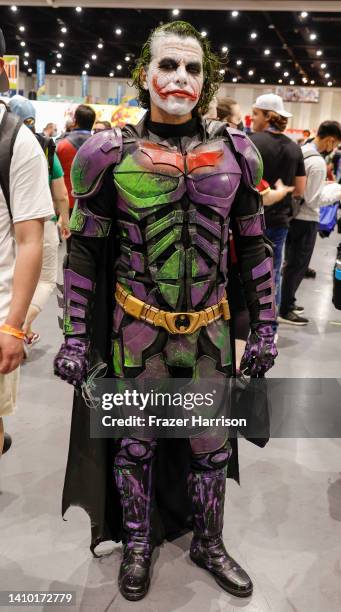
[132, 451]
[212, 460]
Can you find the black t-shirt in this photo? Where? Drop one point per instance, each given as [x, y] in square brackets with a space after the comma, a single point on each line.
[282, 159]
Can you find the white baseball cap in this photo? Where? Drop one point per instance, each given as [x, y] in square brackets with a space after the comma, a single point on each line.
[271, 102]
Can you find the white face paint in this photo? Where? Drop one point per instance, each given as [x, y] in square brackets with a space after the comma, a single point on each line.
[174, 76]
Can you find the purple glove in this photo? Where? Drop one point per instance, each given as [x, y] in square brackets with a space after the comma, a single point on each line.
[71, 362]
[260, 351]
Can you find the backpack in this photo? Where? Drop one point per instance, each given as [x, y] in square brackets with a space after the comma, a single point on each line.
[297, 202]
[9, 129]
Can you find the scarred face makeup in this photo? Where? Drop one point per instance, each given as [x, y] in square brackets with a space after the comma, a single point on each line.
[174, 76]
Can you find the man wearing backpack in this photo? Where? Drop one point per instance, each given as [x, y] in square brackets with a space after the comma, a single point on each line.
[25, 202]
[304, 227]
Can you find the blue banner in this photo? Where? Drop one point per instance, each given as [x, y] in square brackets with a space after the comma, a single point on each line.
[41, 77]
[85, 85]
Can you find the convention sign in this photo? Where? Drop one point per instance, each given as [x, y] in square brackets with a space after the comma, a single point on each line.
[11, 65]
[41, 77]
[299, 94]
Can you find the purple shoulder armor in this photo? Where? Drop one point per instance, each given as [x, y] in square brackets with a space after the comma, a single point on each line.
[92, 160]
[249, 158]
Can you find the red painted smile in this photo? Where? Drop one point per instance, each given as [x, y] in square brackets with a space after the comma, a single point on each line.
[179, 93]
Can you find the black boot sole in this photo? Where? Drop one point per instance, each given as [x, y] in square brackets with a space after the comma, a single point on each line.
[134, 596]
[223, 585]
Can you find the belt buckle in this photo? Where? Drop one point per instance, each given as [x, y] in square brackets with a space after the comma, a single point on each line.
[184, 322]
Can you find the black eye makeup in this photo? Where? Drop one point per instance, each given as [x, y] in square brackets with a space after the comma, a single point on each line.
[194, 68]
[168, 64]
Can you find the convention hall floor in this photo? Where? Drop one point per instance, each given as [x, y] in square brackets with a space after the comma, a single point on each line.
[283, 524]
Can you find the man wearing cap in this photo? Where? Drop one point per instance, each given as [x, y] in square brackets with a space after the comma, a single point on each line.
[25, 202]
[283, 160]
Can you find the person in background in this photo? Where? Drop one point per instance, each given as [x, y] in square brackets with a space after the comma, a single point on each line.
[25, 110]
[23, 209]
[50, 130]
[68, 146]
[228, 110]
[99, 126]
[306, 135]
[282, 160]
[304, 227]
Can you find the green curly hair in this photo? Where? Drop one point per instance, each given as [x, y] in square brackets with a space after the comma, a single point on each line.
[211, 64]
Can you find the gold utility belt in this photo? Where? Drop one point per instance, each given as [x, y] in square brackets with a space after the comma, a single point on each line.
[173, 322]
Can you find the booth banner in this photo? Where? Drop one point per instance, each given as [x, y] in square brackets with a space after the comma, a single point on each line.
[41, 77]
[298, 94]
[85, 85]
[11, 66]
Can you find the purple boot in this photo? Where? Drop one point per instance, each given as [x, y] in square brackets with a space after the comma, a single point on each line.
[133, 475]
[207, 490]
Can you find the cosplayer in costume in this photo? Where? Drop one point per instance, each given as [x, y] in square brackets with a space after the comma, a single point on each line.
[154, 206]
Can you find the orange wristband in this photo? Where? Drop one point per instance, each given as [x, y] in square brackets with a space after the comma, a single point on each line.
[12, 331]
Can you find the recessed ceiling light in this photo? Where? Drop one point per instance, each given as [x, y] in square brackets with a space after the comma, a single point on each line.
[118, 31]
[304, 14]
[253, 35]
[87, 65]
[26, 54]
[63, 30]
[234, 80]
[127, 58]
[280, 80]
[239, 62]
[58, 64]
[262, 80]
[330, 83]
[224, 49]
[175, 12]
[22, 28]
[119, 67]
[25, 62]
[203, 33]
[312, 82]
[319, 52]
[292, 82]
[304, 80]
[94, 56]
[14, 8]
[100, 45]
[61, 44]
[323, 65]
[59, 56]
[84, 72]
[111, 74]
[78, 9]
[286, 74]
[267, 51]
[251, 72]
[30, 70]
[313, 36]
[327, 75]
[235, 13]
[22, 43]
[278, 64]
[53, 71]
[222, 71]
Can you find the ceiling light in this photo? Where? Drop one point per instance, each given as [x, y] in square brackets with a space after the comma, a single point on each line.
[235, 13]
[118, 31]
[330, 83]
[262, 80]
[280, 80]
[22, 28]
[304, 14]
[267, 51]
[53, 71]
[278, 64]
[175, 12]
[224, 49]
[203, 33]
[23, 44]
[26, 54]
[119, 67]
[304, 80]
[61, 44]
[14, 8]
[127, 58]
[59, 56]
[327, 75]
[100, 45]
[292, 82]
[323, 65]
[111, 74]
[86, 65]
[239, 62]
[63, 30]
[30, 70]
[312, 82]
[94, 56]
[26, 63]
[319, 52]
[286, 74]
[251, 72]
[58, 64]
[222, 71]
[253, 35]
[313, 36]
[234, 80]
[84, 72]
[78, 9]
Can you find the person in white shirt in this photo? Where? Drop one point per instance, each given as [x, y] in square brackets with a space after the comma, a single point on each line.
[21, 240]
[304, 227]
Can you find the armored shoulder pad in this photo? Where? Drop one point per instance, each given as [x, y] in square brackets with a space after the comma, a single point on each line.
[92, 160]
[249, 157]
